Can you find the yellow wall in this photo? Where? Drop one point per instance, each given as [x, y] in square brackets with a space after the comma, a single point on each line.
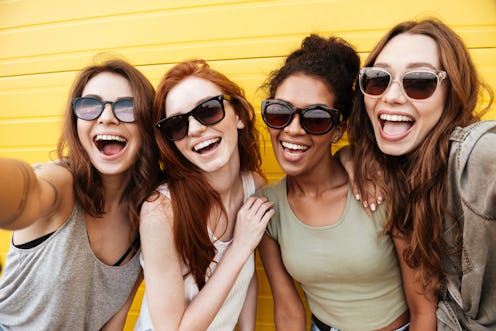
[44, 43]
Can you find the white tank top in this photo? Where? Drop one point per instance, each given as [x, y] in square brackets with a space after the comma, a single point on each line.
[228, 315]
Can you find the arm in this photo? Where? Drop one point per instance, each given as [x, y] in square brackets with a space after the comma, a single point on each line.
[422, 303]
[289, 313]
[118, 321]
[26, 197]
[249, 312]
[163, 276]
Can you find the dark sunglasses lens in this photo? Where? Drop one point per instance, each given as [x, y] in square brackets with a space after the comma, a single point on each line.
[87, 108]
[316, 121]
[375, 82]
[277, 115]
[124, 110]
[175, 127]
[209, 112]
[419, 84]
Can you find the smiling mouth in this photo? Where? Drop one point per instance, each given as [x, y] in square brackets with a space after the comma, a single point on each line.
[110, 144]
[395, 125]
[206, 145]
[290, 147]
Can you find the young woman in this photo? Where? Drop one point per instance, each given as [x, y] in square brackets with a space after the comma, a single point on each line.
[320, 235]
[198, 237]
[415, 121]
[73, 262]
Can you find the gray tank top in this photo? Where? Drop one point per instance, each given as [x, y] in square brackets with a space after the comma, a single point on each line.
[61, 285]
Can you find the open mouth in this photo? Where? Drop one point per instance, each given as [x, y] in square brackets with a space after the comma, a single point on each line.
[290, 147]
[395, 125]
[110, 144]
[206, 145]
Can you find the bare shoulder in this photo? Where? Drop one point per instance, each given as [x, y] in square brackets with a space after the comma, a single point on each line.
[258, 179]
[156, 213]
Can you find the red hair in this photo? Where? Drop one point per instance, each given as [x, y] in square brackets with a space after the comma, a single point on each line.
[193, 199]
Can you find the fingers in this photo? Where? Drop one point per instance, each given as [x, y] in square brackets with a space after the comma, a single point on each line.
[370, 196]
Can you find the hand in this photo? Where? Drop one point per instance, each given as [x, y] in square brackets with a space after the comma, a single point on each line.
[370, 194]
[251, 221]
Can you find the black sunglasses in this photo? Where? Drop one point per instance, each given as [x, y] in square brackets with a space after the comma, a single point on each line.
[88, 109]
[417, 84]
[314, 119]
[209, 112]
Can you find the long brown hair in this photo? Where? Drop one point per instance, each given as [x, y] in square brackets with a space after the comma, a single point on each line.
[193, 199]
[145, 170]
[416, 184]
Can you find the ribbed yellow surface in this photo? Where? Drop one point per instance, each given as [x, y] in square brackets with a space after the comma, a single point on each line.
[44, 43]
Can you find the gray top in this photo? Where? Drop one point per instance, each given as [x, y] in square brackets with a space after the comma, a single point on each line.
[61, 285]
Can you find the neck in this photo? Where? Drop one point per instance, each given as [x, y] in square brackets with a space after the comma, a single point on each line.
[113, 188]
[327, 175]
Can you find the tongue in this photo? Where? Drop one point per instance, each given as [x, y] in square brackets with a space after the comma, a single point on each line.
[112, 148]
[396, 128]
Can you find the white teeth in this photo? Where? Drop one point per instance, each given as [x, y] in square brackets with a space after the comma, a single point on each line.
[110, 137]
[293, 146]
[395, 118]
[205, 143]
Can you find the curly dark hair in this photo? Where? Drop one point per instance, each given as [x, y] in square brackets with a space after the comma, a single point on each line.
[331, 59]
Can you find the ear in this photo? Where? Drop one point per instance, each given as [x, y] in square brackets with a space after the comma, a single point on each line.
[239, 123]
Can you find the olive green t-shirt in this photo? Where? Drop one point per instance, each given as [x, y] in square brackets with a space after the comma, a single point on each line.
[348, 271]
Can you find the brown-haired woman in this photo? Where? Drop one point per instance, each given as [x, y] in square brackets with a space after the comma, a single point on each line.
[73, 262]
[415, 120]
[198, 237]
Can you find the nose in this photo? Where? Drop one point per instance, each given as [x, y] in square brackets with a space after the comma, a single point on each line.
[294, 127]
[394, 93]
[195, 127]
[107, 116]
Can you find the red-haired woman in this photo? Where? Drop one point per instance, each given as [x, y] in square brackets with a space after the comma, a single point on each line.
[198, 237]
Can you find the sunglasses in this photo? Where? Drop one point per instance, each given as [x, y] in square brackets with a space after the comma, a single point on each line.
[314, 119]
[209, 112]
[88, 109]
[417, 85]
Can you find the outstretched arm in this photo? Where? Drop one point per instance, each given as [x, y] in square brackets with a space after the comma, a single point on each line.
[26, 196]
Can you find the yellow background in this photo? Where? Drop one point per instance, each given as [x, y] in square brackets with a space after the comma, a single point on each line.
[44, 43]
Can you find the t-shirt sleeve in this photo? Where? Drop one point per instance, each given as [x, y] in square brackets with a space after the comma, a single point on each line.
[272, 229]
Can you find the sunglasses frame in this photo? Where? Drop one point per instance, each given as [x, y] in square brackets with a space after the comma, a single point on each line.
[336, 116]
[103, 104]
[440, 76]
[220, 98]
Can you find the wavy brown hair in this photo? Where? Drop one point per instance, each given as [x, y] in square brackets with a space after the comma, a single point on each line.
[415, 184]
[193, 199]
[145, 170]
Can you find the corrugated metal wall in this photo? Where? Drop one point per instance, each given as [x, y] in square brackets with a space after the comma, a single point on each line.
[44, 43]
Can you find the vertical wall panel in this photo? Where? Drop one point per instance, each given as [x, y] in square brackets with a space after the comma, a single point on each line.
[44, 43]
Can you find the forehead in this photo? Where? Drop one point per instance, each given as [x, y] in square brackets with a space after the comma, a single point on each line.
[409, 50]
[109, 86]
[302, 90]
[189, 93]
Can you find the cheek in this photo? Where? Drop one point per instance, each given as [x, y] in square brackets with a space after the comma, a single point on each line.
[370, 106]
